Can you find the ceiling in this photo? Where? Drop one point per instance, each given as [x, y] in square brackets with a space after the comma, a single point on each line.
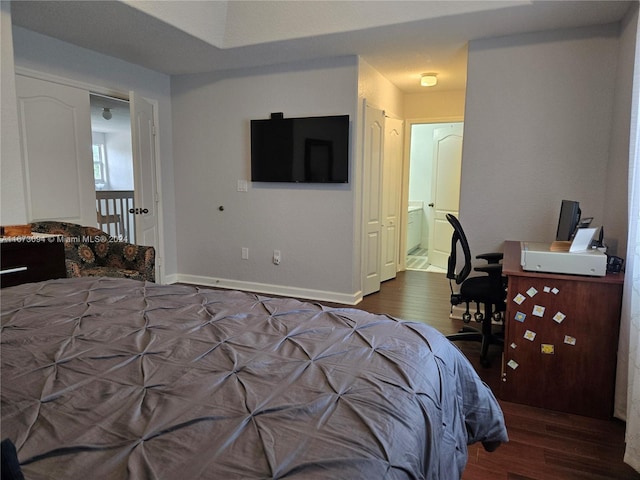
[120, 120]
[401, 39]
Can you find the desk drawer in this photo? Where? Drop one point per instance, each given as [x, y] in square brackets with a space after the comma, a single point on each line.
[31, 261]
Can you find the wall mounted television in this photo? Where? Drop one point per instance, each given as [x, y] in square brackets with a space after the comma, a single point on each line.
[300, 150]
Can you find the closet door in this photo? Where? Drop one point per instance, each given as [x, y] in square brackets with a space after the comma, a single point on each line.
[372, 198]
[55, 136]
[391, 190]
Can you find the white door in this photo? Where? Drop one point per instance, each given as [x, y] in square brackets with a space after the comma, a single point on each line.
[144, 172]
[372, 198]
[55, 135]
[447, 166]
[391, 189]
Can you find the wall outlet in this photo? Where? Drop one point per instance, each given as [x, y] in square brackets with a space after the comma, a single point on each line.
[245, 253]
[276, 257]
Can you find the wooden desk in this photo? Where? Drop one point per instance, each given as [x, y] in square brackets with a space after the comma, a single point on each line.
[561, 339]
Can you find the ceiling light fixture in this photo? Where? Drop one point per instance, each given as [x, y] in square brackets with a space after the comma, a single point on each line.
[429, 80]
[106, 113]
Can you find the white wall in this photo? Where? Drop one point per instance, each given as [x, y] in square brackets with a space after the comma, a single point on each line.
[52, 57]
[312, 225]
[537, 130]
[13, 209]
[378, 91]
[120, 160]
[435, 106]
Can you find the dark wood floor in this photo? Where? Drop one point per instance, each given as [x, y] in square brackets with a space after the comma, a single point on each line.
[543, 444]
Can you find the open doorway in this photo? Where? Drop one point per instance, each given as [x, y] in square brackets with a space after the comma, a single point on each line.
[113, 166]
[434, 185]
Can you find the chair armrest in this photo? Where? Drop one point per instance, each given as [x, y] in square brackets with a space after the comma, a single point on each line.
[493, 257]
[490, 269]
[129, 256]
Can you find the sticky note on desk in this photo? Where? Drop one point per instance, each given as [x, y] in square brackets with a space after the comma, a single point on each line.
[569, 340]
[529, 335]
[547, 349]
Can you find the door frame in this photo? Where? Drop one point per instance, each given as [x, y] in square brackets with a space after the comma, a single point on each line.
[122, 94]
[406, 166]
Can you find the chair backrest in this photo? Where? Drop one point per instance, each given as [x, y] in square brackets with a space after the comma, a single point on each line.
[458, 236]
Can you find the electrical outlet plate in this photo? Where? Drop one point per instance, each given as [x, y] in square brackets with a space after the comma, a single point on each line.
[276, 257]
[245, 253]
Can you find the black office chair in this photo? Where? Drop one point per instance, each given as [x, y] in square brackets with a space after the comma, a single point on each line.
[488, 290]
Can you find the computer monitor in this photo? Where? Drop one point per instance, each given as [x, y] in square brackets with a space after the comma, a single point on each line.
[568, 221]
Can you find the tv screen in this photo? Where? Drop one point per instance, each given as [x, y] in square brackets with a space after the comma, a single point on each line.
[300, 150]
[568, 220]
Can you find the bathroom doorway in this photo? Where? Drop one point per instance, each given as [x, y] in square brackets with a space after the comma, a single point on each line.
[429, 184]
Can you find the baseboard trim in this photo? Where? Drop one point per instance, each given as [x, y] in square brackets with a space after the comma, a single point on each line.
[263, 288]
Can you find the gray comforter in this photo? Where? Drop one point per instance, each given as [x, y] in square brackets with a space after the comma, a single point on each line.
[115, 379]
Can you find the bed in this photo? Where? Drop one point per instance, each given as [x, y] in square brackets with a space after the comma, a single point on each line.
[109, 378]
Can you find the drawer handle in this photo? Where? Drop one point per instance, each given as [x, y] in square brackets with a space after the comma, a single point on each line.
[13, 270]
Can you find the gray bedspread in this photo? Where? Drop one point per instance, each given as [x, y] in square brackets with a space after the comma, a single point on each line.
[118, 379]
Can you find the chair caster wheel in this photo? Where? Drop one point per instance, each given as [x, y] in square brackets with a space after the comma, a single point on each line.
[478, 317]
[466, 317]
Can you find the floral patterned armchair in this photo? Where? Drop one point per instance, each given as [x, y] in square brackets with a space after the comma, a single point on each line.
[89, 252]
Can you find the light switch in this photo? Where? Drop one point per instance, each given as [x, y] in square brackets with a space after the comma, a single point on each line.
[242, 186]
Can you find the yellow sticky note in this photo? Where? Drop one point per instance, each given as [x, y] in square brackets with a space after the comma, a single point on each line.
[547, 349]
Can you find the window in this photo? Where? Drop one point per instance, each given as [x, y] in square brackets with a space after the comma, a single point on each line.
[99, 166]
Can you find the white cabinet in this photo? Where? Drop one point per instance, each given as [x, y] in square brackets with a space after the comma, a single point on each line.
[414, 229]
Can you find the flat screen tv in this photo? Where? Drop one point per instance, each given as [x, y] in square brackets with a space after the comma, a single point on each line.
[568, 220]
[300, 150]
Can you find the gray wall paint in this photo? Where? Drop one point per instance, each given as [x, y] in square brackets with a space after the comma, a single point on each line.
[312, 225]
[537, 130]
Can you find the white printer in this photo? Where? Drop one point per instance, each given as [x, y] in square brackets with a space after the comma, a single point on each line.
[539, 257]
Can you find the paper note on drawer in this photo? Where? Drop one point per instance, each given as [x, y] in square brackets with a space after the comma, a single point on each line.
[538, 311]
[559, 317]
